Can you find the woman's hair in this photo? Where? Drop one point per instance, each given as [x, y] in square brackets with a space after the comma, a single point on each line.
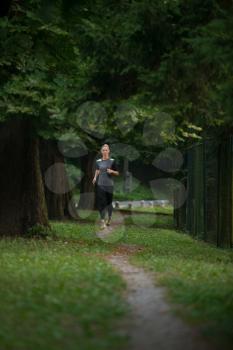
[105, 144]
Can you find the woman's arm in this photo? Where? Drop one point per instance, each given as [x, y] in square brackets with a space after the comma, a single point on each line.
[113, 172]
[114, 169]
[95, 176]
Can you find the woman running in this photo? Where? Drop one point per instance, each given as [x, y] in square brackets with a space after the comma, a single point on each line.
[105, 169]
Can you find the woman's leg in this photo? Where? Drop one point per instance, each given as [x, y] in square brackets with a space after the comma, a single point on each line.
[101, 201]
[109, 197]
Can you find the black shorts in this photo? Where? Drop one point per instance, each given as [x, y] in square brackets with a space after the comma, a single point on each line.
[104, 196]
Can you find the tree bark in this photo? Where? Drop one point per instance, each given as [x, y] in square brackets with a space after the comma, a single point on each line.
[87, 189]
[60, 203]
[22, 201]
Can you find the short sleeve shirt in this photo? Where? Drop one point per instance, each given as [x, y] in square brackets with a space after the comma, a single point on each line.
[104, 178]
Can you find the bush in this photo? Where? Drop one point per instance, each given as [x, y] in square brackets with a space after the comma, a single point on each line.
[39, 231]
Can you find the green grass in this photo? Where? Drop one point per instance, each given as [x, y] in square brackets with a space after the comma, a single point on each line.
[149, 221]
[58, 294]
[199, 277]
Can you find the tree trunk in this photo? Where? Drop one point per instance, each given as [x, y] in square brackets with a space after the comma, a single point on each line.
[87, 189]
[22, 201]
[58, 196]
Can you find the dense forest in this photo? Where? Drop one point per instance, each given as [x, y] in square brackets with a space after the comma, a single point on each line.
[77, 73]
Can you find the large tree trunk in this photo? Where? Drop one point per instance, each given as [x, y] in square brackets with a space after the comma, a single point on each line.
[58, 195]
[22, 200]
[87, 189]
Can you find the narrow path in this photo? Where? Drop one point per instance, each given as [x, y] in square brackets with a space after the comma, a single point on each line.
[151, 324]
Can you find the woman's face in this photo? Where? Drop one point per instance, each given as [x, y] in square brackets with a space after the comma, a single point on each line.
[105, 151]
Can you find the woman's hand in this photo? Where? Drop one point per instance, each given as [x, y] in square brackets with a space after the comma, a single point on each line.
[94, 180]
[114, 172]
[110, 171]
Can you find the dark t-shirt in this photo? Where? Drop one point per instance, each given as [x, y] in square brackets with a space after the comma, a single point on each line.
[104, 178]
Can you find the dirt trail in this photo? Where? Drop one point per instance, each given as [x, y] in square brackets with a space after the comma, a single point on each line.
[151, 324]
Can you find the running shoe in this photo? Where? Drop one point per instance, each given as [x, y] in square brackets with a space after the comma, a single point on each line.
[103, 225]
[108, 221]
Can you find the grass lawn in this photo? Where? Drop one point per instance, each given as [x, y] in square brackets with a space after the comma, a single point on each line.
[60, 293]
[198, 277]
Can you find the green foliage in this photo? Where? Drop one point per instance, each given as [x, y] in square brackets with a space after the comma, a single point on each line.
[39, 63]
[39, 231]
[193, 79]
[167, 56]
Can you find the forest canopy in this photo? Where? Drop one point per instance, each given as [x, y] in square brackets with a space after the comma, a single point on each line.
[170, 56]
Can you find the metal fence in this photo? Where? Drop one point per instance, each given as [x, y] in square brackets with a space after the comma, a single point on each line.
[207, 213]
